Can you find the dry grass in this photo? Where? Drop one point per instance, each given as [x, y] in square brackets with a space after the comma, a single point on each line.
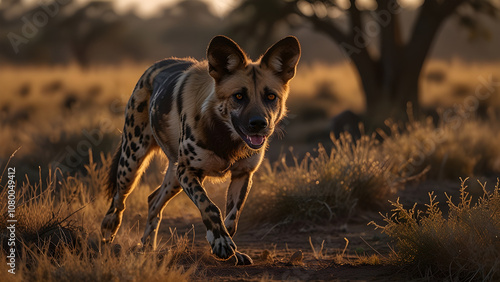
[102, 266]
[50, 104]
[465, 147]
[49, 113]
[451, 84]
[462, 246]
[331, 88]
[352, 175]
[366, 173]
[454, 83]
[57, 233]
[54, 105]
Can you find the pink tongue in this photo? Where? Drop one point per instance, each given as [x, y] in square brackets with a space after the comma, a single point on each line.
[256, 139]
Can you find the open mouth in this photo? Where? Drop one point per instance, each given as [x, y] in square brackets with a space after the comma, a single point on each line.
[254, 141]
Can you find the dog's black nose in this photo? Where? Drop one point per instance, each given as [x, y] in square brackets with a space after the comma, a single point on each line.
[257, 123]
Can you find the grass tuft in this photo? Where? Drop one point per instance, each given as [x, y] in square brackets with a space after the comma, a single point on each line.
[330, 185]
[462, 246]
[450, 149]
[57, 235]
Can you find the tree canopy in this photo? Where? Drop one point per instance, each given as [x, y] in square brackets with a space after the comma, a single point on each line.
[370, 34]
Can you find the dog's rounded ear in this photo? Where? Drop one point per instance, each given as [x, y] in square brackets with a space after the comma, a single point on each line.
[224, 57]
[282, 58]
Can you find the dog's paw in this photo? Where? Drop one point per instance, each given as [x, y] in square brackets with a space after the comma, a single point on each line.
[223, 246]
[109, 227]
[243, 259]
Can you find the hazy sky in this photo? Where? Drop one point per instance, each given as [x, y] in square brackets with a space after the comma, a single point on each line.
[219, 7]
[147, 8]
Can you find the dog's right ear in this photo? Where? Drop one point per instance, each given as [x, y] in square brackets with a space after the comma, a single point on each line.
[282, 58]
[224, 57]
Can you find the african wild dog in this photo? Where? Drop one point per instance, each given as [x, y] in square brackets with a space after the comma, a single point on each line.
[210, 118]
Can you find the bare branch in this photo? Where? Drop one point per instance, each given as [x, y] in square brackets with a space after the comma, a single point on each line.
[328, 27]
[391, 43]
[448, 7]
[355, 16]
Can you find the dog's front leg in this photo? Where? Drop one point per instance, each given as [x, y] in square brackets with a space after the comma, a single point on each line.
[191, 180]
[241, 182]
[236, 196]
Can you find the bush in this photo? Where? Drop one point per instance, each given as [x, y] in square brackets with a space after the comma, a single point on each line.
[464, 245]
[330, 185]
[57, 235]
[449, 150]
[88, 264]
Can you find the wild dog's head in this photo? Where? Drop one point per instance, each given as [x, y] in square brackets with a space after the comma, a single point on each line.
[252, 95]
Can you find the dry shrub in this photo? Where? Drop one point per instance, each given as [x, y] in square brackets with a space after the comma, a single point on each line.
[463, 246]
[457, 148]
[57, 235]
[103, 264]
[41, 219]
[327, 186]
[45, 210]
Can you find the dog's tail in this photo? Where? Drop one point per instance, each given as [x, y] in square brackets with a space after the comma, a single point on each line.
[142, 89]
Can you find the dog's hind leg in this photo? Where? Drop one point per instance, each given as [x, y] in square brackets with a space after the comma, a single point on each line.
[129, 161]
[157, 202]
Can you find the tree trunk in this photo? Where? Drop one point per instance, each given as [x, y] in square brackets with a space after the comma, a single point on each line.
[414, 54]
[398, 69]
[406, 90]
[392, 89]
[391, 80]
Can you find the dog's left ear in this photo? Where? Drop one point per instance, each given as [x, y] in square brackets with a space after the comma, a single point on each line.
[224, 57]
[282, 58]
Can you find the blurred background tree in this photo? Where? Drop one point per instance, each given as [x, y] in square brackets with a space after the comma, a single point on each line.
[93, 32]
[370, 34]
[56, 31]
[387, 41]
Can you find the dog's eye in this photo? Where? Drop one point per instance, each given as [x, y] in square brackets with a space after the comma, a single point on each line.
[238, 96]
[271, 97]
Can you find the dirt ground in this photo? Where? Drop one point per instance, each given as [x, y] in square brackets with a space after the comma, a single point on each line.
[276, 250]
[276, 253]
